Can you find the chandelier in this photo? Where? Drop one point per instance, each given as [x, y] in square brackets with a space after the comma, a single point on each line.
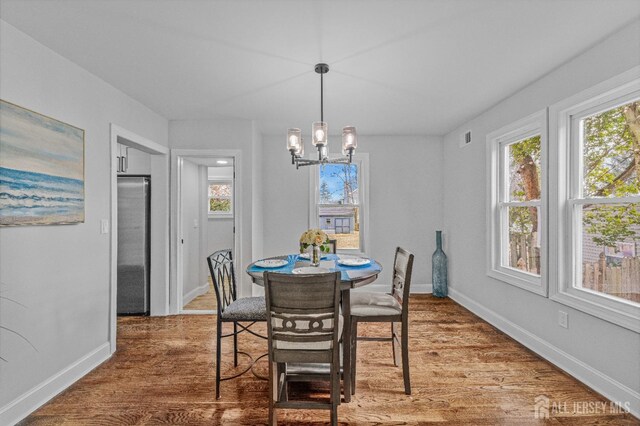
[319, 136]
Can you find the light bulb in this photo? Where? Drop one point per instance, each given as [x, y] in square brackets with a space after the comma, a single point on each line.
[349, 139]
[293, 140]
[319, 134]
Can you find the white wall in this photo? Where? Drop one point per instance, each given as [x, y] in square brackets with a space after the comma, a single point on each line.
[603, 347]
[405, 195]
[60, 273]
[191, 192]
[226, 134]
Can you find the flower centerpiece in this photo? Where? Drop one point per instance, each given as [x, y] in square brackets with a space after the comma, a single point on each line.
[318, 240]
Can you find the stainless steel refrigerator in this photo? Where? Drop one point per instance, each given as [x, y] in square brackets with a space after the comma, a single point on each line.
[134, 202]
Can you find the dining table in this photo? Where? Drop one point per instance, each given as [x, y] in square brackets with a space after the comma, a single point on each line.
[351, 277]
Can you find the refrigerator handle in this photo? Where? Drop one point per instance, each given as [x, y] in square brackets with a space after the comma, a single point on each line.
[118, 167]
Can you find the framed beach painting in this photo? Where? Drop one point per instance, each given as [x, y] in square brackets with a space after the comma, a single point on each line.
[41, 169]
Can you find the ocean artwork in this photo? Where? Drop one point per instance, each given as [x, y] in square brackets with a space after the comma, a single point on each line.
[41, 169]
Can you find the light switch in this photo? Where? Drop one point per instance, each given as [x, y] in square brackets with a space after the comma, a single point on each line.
[195, 223]
[104, 226]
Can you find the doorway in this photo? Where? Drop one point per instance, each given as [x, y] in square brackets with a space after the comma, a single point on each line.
[206, 206]
[144, 157]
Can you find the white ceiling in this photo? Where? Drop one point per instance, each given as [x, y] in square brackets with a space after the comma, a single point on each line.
[397, 67]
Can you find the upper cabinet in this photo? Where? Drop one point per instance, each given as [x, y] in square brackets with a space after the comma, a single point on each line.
[131, 161]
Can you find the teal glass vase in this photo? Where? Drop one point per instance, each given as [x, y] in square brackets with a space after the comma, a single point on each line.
[439, 269]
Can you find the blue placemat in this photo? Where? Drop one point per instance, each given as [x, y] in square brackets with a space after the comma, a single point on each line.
[294, 261]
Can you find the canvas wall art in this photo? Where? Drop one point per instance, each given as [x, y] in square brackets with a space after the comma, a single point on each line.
[41, 169]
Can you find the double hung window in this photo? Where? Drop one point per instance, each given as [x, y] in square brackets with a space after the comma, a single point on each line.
[596, 201]
[517, 224]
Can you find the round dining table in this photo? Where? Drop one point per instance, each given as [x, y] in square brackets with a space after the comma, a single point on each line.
[351, 277]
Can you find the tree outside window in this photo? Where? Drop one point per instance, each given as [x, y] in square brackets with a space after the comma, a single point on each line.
[606, 201]
[220, 198]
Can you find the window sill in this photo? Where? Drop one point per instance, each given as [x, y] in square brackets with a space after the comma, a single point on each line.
[220, 216]
[603, 307]
[523, 280]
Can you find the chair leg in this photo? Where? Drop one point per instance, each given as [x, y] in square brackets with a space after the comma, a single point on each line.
[393, 343]
[282, 374]
[405, 357]
[335, 390]
[235, 344]
[218, 357]
[273, 393]
[354, 352]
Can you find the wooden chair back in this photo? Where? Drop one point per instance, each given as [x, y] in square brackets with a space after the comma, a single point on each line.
[401, 284]
[303, 316]
[224, 278]
[333, 245]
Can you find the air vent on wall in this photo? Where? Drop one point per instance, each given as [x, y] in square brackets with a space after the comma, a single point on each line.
[465, 139]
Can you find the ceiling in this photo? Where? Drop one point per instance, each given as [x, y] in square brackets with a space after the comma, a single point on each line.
[397, 67]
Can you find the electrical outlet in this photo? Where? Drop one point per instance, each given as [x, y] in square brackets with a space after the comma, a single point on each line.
[563, 319]
[104, 226]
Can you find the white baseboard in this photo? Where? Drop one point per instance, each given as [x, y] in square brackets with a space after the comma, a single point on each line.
[598, 381]
[416, 288]
[31, 400]
[198, 291]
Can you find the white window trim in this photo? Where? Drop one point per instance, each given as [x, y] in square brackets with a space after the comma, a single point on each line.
[221, 215]
[534, 124]
[362, 159]
[562, 262]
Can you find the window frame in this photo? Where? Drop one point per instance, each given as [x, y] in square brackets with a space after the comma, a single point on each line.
[498, 203]
[220, 215]
[566, 195]
[362, 161]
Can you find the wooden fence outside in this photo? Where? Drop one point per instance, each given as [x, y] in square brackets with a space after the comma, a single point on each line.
[614, 280]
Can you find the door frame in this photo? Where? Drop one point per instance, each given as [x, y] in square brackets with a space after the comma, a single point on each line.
[159, 300]
[176, 261]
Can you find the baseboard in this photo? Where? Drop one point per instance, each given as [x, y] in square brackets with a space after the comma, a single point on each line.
[416, 288]
[31, 400]
[598, 381]
[198, 291]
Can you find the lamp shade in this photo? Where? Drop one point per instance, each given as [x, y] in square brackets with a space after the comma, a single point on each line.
[319, 133]
[349, 138]
[294, 139]
[299, 152]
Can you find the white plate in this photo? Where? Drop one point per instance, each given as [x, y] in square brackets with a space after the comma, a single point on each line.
[354, 261]
[271, 263]
[307, 256]
[310, 270]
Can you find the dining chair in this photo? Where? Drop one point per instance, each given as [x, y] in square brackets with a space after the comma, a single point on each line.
[383, 307]
[232, 309]
[333, 245]
[304, 326]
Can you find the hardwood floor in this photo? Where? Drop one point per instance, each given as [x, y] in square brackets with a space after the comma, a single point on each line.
[205, 301]
[463, 371]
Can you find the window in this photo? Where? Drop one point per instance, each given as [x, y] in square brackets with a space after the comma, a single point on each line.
[338, 202]
[516, 215]
[596, 201]
[221, 198]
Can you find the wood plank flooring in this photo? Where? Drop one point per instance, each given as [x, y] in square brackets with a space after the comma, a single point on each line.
[205, 301]
[463, 371]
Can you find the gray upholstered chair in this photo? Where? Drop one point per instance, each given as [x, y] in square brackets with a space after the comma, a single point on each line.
[231, 309]
[304, 328]
[382, 307]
